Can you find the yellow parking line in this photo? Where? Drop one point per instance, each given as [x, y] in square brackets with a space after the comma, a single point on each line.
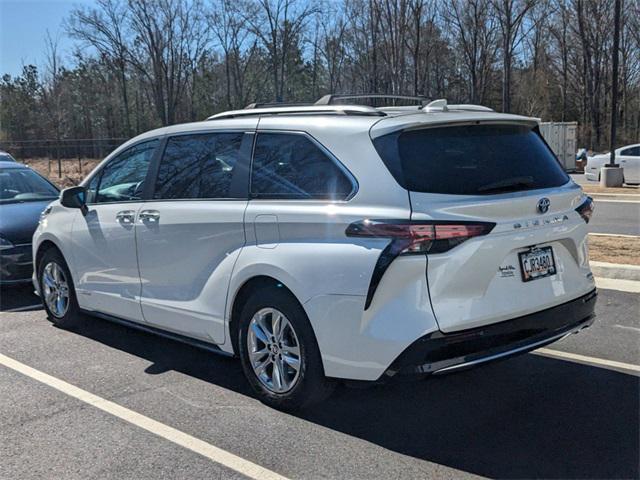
[218, 455]
[600, 362]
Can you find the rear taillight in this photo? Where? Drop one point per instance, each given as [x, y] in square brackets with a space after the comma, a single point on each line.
[419, 237]
[586, 209]
[413, 237]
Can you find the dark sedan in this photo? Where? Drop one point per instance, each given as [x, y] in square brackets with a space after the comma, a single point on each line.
[24, 194]
[6, 157]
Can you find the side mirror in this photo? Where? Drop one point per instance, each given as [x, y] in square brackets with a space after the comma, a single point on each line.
[74, 197]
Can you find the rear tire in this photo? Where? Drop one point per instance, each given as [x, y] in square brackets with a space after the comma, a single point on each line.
[279, 352]
[56, 290]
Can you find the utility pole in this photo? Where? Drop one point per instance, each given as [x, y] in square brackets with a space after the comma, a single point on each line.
[611, 175]
[614, 83]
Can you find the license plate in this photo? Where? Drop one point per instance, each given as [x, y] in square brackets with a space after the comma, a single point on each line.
[537, 263]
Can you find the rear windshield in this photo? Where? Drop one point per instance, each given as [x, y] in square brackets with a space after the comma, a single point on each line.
[470, 160]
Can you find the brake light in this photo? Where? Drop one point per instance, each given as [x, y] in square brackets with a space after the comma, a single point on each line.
[586, 209]
[409, 237]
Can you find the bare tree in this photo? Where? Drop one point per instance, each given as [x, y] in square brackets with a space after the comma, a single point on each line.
[474, 30]
[333, 52]
[52, 92]
[170, 36]
[394, 30]
[105, 29]
[560, 33]
[594, 33]
[231, 34]
[279, 24]
[510, 15]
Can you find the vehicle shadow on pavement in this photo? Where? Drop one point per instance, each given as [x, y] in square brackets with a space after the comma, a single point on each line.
[18, 298]
[528, 417]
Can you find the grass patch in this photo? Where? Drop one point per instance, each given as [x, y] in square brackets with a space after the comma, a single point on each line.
[614, 249]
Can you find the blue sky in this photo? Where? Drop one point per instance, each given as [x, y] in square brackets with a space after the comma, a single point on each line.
[23, 25]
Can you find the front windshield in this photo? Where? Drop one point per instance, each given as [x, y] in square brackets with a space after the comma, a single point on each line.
[23, 185]
[5, 157]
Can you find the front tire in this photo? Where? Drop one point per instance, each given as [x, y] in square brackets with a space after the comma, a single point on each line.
[279, 352]
[57, 291]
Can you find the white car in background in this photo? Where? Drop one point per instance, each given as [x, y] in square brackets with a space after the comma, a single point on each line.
[627, 157]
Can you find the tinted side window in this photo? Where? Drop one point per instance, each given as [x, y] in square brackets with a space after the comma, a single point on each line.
[122, 179]
[291, 166]
[632, 152]
[198, 166]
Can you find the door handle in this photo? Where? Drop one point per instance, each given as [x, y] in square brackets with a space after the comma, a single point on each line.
[126, 216]
[149, 216]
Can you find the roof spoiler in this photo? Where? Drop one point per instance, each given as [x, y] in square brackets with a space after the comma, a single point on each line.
[441, 105]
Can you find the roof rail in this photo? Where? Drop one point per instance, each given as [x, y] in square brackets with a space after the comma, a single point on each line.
[331, 99]
[313, 109]
[277, 104]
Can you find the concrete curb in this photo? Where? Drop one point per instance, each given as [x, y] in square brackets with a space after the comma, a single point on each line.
[615, 235]
[618, 197]
[619, 271]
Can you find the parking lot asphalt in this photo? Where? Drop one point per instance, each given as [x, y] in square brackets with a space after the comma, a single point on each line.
[612, 216]
[531, 416]
[616, 217]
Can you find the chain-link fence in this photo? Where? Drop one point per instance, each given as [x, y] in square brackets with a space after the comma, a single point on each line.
[65, 161]
[66, 148]
[61, 158]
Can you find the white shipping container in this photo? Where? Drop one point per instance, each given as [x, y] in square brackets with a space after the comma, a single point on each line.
[561, 137]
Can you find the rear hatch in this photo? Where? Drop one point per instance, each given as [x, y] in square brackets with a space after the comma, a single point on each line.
[501, 173]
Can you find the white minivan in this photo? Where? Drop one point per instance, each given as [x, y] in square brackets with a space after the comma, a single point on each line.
[328, 242]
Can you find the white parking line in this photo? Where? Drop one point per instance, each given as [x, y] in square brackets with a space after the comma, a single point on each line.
[631, 286]
[229, 460]
[22, 309]
[598, 362]
[626, 327]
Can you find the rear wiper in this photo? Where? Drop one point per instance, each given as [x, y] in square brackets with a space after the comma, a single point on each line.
[507, 184]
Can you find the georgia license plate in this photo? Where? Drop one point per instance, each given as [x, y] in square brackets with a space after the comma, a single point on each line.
[537, 263]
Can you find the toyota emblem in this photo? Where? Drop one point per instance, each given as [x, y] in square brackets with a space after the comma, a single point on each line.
[543, 205]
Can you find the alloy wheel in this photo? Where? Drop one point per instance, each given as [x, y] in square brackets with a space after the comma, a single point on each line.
[274, 350]
[55, 289]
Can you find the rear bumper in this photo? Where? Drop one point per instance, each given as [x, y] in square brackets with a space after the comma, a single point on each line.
[439, 353]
